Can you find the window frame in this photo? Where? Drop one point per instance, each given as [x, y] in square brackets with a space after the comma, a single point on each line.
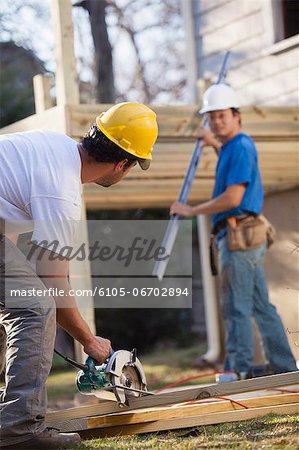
[275, 42]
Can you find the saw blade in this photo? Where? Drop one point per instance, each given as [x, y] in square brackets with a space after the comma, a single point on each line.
[124, 372]
[130, 378]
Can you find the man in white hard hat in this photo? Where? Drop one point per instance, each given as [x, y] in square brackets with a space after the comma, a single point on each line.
[241, 238]
[41, 177]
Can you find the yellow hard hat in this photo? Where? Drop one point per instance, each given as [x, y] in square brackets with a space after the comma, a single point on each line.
[133, 127]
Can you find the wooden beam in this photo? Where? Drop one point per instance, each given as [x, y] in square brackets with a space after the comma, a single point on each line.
[42, 97]
[263, 123]
[76, 418]
[52, 119]
[191, 421]
[67, 87]
[151, 414]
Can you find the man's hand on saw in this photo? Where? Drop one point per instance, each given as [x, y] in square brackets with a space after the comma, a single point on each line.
[99, 348]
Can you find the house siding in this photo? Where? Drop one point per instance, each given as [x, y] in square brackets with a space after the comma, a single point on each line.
[243, 27]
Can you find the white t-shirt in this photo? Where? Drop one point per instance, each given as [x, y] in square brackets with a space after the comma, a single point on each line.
[40, 181]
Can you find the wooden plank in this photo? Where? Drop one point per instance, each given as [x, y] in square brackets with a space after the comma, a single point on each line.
[191, 421]
[67, 88]
[148, 415]
[162, 200]
[159, 193]
[261, 122]
[63, 419]
[42, 97]
[175, 123]
[51, 119]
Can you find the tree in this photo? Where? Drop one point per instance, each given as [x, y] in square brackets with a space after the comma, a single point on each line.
[138, 46]
[151, 69]
[103, 67]
[18, 67]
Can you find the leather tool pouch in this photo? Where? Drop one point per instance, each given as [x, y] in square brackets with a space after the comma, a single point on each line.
[271, 232]
[246, 233]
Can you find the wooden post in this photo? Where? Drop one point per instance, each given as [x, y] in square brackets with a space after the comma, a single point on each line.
[42, 96]
[67, 89]
[67, 92]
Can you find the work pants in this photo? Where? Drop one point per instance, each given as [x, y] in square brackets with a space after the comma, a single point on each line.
[30, 326]
[244, 295]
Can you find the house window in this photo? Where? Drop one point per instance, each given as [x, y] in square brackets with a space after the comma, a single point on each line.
[286, 21]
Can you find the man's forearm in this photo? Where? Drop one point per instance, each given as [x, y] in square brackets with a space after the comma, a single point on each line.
[219, 204]
[71, 321]
[67, 313]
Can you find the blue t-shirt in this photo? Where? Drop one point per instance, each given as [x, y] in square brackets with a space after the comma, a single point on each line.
[237, 164]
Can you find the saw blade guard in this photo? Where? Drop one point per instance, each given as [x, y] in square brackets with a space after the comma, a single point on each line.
[125, 369]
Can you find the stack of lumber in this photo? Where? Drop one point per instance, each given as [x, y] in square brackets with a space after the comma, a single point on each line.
[183, 408]
[275, 130]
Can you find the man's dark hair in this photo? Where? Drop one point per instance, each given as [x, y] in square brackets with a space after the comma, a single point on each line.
[236, 112]
[101, 149]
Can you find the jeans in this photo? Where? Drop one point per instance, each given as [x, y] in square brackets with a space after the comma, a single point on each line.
[244, 295]
[30, 330]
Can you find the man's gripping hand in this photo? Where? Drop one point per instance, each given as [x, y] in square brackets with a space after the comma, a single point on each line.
[208, 139]
[98, 348]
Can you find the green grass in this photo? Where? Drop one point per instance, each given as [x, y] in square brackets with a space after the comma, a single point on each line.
[167, 366]
[61, 385]
[269, 432]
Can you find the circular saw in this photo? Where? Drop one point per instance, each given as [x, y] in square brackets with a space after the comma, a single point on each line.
[121, 373]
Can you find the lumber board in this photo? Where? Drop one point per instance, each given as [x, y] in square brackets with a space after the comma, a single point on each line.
[175, 122]
[138, 195]
[191, 421]
[148, 415]
[162, 200]
[52, 119]
[42, 96]
[67, 86]
[183, 120]
[160, 186]
[76, 418]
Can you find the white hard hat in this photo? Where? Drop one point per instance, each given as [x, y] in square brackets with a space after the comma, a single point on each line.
[219, 96]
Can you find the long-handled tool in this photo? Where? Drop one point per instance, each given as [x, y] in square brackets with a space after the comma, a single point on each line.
[173, 224]
[121, 373]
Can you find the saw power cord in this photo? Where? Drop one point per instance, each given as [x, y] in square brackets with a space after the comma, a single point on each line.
[71, 361]
[194, 377]
[209, 374]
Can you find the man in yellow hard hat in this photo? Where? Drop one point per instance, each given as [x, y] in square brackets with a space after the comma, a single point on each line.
[41, 177]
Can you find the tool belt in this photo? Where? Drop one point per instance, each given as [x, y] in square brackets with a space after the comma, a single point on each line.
[244, 232]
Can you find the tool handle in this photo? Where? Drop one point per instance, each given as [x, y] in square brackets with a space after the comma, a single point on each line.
[173, 224]
[91, 363]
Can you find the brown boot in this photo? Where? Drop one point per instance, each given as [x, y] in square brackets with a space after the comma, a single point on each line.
[49, 439]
